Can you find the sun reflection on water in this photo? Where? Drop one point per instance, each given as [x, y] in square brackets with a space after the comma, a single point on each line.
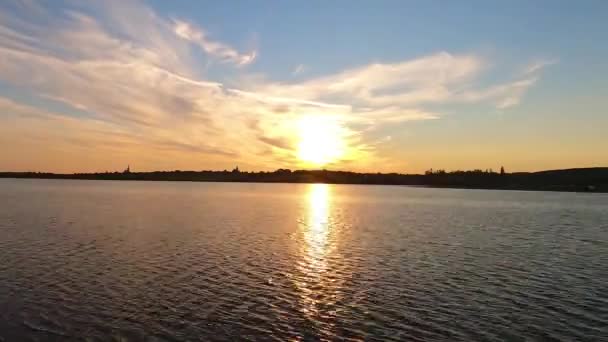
[316, 288]
[318, 225]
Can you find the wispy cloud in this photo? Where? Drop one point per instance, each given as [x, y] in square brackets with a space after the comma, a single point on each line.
[197, 35]
[136, 75]
[408, 82]
[538, 65]
[438, 78]
[300, 68]
[508, 94]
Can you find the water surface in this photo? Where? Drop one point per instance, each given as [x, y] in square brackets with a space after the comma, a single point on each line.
[170, 261]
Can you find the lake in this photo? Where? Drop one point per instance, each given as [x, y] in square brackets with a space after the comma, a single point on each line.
[173, 261]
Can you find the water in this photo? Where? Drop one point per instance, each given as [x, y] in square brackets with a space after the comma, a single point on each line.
[158, 261]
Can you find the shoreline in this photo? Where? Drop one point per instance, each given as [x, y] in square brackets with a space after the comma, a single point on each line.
[572, 188]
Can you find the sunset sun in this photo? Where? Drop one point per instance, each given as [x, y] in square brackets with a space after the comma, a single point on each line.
[321, 141]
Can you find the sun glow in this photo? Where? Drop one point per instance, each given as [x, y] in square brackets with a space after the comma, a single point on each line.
[321, 140]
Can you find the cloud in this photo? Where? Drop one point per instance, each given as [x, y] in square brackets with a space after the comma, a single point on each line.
[135, 79]
[512, 94]
[508, 94]
[300, 68]
[406, 83]
[277, 142]
[538, 65]
[59, 128]
[440, 78]
[192, 33]
[394, 115]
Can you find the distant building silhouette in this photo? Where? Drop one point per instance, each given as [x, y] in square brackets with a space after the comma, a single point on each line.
[128, 169]
[236, 170]
[502, 171]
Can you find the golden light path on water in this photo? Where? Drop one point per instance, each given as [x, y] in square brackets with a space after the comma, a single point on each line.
[319, 288]
[318, 227]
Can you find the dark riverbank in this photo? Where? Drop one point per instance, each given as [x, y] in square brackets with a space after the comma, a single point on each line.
[582, 180]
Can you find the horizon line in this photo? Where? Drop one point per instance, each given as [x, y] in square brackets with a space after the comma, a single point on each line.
[237, 169]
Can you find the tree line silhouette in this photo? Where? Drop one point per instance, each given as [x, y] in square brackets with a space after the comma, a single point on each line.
[581, 179]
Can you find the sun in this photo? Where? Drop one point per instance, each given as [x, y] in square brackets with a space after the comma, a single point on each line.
[321, 140]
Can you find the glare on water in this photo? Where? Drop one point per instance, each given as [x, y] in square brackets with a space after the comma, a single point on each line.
[318, 226]
[318, 240]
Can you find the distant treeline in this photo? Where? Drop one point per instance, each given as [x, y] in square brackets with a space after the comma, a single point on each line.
[583, 179]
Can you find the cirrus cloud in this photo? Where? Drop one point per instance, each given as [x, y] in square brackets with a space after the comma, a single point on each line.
[192, 33]
[134, 78]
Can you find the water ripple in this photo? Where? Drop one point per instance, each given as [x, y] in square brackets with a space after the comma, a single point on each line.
[170, 262]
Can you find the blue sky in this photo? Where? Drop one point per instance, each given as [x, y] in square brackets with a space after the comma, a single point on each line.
[338, 34]
[390, 85]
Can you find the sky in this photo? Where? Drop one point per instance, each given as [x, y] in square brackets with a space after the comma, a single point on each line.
[387, 86]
